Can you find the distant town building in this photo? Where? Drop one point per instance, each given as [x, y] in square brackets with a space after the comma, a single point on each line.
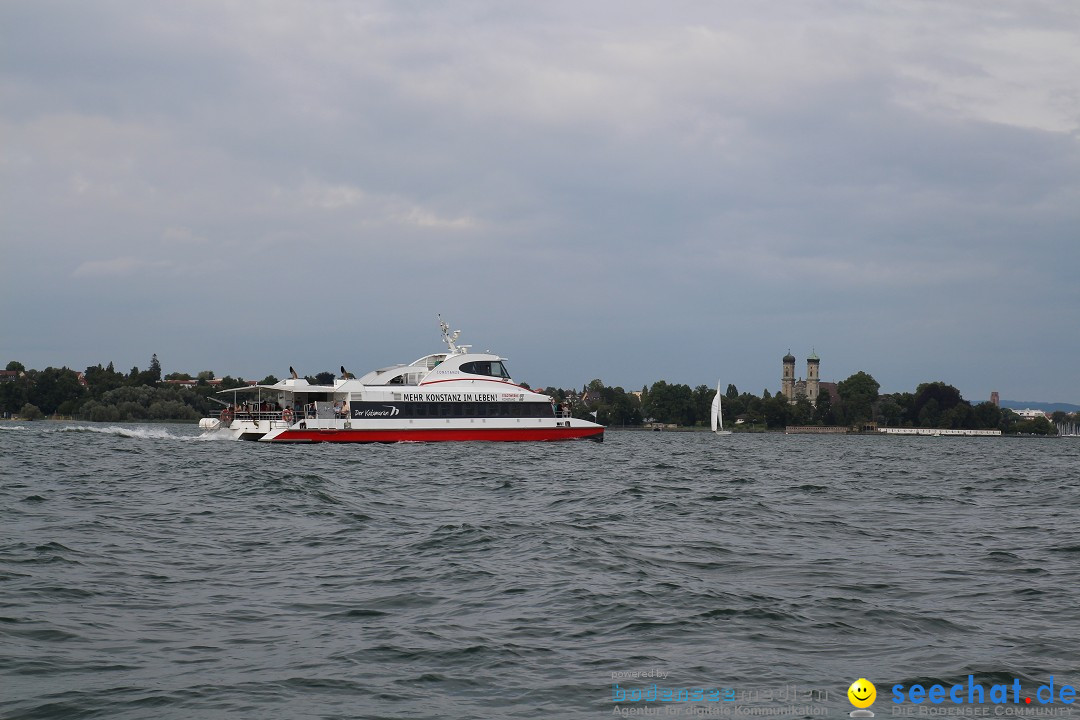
[810, 387]
[994, 398]
[813, 379]
[787, 378]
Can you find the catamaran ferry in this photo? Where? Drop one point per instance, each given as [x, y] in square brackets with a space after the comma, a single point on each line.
[454, 395]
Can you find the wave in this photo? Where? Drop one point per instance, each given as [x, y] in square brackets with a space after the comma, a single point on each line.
[140, 433]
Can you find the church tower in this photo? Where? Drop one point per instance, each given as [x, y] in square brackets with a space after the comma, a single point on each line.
[813, 378]
[787, 380]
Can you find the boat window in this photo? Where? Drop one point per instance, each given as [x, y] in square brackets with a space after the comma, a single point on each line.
[485, 367]
[540, 409]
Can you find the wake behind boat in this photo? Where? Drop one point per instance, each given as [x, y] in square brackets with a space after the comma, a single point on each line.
[454, 395]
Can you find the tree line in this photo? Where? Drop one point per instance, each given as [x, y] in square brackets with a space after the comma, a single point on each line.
[856, 403]
[104, 394]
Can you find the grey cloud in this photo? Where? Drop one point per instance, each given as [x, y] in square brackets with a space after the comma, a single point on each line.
[658, 192]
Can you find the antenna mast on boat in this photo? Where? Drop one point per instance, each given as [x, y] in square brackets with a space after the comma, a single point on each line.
[449, 338]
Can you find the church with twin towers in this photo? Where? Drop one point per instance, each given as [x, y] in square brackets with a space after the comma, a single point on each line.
[810, 387]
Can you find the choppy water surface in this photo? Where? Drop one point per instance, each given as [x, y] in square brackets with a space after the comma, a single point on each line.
[145, 573]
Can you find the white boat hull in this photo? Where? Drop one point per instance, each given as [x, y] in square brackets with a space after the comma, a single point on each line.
[344, 431]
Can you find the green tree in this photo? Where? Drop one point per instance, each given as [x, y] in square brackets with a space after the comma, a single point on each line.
[228, 383]
[1009, 421]
[959, 416]
[14, 393]
[733, 407]
[669, 403]
[823, 411]
[30, 412]
[556, 394]
[802, 412]
[858, 394]
[945, 396]
[987, 416]
[732, 392]
[777, 411]
[906, 401]
[153, 375]
[930, 414]
[754, 408]
[51, 387]
[703, 397]
[890, 411]
[617, 407]
[1038, 426]
[101, 380]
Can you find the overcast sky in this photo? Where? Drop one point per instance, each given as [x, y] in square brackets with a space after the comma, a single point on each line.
[623, 190]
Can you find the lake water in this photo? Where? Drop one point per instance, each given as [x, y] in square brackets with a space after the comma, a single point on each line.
[146, 573]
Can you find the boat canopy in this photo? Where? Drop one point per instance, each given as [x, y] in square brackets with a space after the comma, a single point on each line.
[279, 388]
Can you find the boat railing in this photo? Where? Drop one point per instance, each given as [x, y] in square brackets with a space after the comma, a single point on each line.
[276, 418]
[255, 415]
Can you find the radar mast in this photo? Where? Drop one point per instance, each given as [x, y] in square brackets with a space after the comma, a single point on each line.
[450, 338]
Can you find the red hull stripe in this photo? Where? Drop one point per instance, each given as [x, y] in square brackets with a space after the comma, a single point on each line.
[475, 379]
[449, 434]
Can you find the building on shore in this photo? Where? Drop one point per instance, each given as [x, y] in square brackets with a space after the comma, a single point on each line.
[810, 387]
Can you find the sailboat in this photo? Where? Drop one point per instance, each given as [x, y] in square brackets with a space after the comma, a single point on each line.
[717, 414]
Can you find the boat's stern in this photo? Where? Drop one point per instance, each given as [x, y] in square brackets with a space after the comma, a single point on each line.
[245, 428]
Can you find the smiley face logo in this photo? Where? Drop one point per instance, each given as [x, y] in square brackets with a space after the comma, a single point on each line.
[862, 693]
